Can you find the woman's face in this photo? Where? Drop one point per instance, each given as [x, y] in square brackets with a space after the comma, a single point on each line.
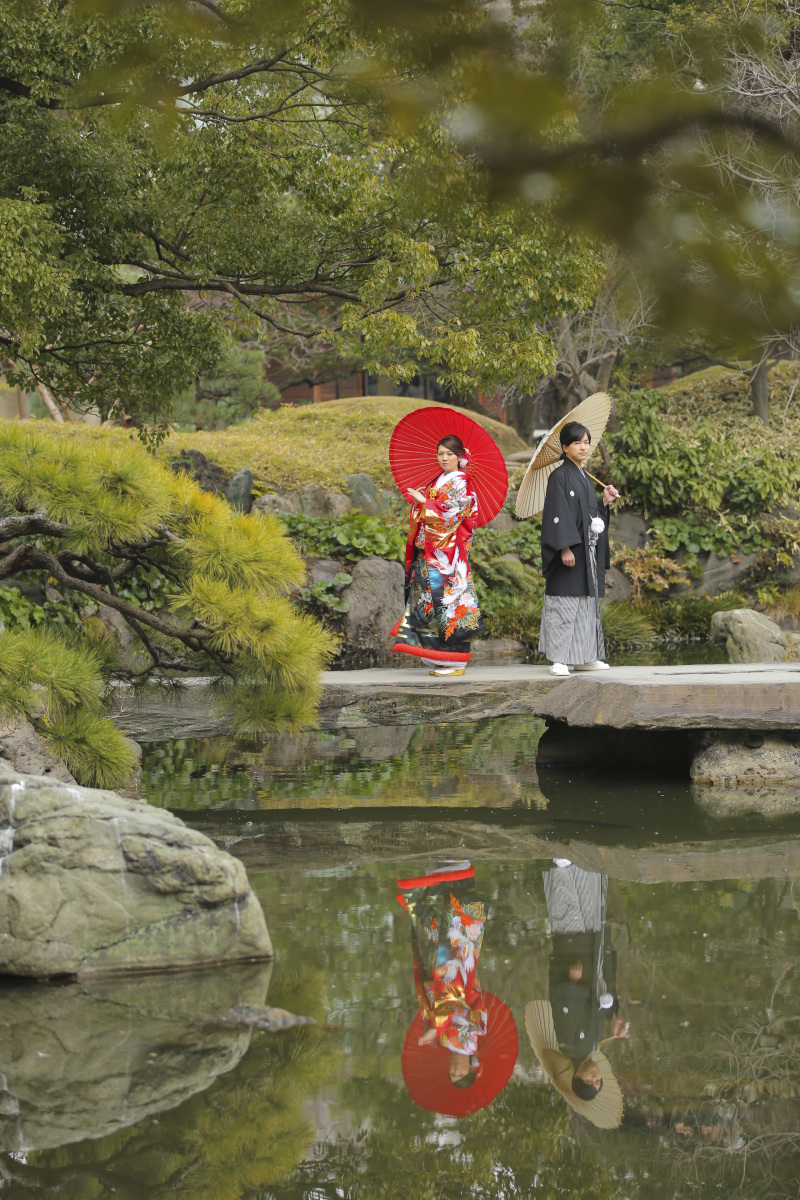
[459, 1066]
[447, 460]
[578, 452]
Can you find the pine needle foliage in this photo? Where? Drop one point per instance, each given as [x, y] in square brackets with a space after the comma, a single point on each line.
[83, 515]
[59, 689]
[94, 750]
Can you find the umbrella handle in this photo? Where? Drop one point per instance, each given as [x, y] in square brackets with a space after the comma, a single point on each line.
[599, 482]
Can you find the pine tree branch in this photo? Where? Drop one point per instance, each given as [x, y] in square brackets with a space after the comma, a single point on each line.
[37, 558]
[24, 524]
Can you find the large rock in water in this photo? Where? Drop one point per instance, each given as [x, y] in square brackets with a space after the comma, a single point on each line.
[92, 883]
[751, 637]
[88, 1059]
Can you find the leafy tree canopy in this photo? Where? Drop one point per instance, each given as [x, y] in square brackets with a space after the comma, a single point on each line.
[177, 175]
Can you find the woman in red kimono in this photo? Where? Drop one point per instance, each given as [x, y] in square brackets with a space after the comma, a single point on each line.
[447, 921]
[441, 616]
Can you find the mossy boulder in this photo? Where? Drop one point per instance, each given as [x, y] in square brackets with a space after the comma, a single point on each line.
[92, 883]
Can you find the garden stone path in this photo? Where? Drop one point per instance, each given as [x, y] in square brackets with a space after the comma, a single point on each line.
[759, 696]
[711, 696]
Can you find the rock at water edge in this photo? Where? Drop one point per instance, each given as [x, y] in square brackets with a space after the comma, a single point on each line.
[749, 636]
[91, 882]
[746, 759]
[498, 650]
[723, 803]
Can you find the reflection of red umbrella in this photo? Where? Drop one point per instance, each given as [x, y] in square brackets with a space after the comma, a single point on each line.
[426, 1068]
[412, 456]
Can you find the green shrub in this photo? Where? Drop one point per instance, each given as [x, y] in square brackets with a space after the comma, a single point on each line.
[202, 588]
[647, 570]
[353, 537]
[688, 618]
[93, 749]
[625, 624]
[664, 472]
[510, 594]
[17, 612]
[325, 599]
[230, 397]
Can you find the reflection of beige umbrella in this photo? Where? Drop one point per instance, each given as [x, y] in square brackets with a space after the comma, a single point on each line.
[593, 412]
[605, 1111]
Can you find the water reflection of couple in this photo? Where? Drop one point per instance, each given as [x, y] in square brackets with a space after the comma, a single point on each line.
[460, 1050]
[461, 1047]
[567, 1032]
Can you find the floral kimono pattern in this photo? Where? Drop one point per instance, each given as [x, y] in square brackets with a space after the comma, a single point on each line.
[441, 615]
[446, 938]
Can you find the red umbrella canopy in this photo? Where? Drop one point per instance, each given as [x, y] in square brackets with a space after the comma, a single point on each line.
[426, 1068]
[412, 456]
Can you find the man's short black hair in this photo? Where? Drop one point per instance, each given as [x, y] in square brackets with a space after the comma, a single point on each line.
[573, 431]
[584, 1090]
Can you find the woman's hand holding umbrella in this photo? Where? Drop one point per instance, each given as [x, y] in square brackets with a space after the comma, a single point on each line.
[417, 495]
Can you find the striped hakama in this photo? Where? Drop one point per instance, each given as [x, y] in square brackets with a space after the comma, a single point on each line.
[576, 899]
[571, 630]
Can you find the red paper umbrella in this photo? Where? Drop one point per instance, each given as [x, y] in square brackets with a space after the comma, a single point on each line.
[412, 456]
[426, 1068]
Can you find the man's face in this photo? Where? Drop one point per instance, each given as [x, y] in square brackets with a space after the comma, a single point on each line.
[578, 452]
[590, 1073]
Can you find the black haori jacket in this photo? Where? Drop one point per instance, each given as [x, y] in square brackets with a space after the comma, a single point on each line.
[569, 506]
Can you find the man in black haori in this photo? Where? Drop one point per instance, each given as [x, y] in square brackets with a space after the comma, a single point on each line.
[575, 556]
[567, 1032]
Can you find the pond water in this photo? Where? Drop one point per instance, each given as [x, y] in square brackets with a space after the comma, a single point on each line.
[690, 928]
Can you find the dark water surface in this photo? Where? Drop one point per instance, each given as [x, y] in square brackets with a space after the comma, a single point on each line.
[136, 1089]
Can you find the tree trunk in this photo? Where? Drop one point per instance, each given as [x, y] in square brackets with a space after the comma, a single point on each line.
[759, 390]
[50, 404]
[606, 366]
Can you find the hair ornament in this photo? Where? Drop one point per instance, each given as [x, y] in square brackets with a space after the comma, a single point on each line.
[464, 462]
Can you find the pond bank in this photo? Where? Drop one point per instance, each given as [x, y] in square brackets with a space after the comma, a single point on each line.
[763, 696]
[719, 723]
[326, 840]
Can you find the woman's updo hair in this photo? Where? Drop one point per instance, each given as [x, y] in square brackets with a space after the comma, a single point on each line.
[452, 443]
[573, 431]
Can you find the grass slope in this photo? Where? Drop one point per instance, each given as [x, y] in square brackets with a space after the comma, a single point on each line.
[321, 443]
[723, 396]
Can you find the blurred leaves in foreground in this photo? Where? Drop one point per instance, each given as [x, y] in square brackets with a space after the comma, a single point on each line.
[431, 183]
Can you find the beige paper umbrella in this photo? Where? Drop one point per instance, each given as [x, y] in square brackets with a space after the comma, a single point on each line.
[593, 412]
[605, 1111]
